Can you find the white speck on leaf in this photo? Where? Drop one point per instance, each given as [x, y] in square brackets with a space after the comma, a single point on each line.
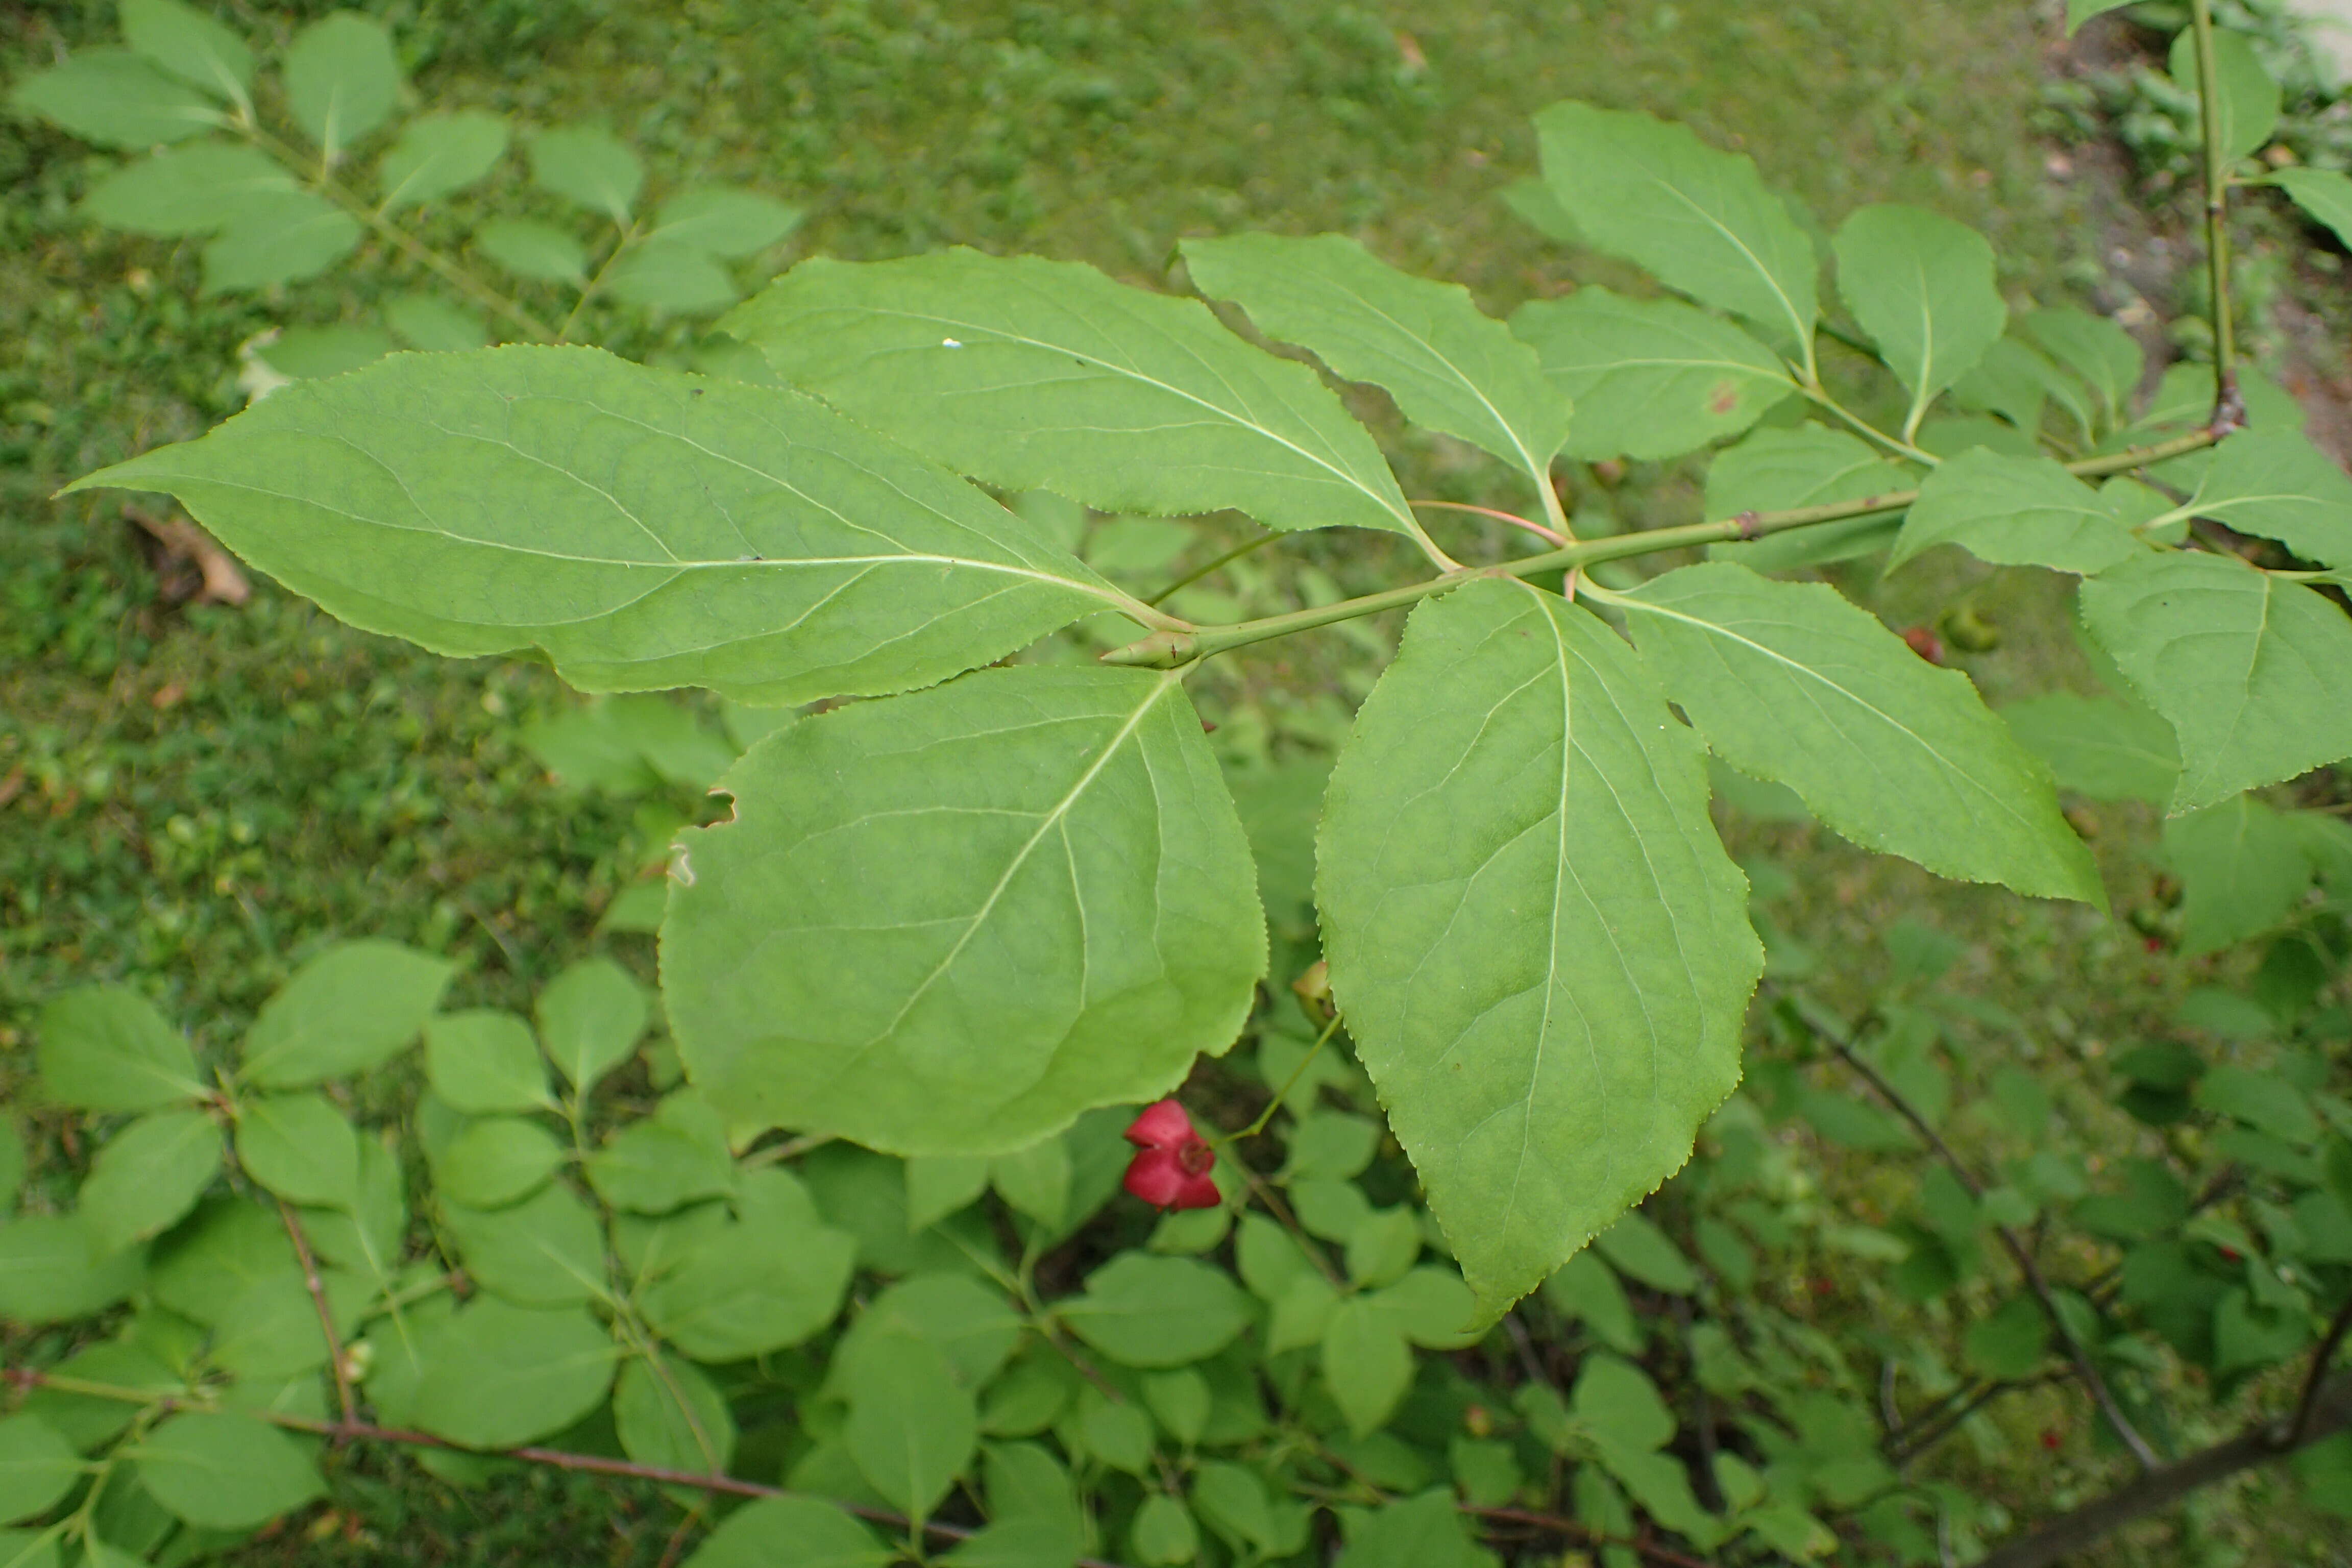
[949, 344]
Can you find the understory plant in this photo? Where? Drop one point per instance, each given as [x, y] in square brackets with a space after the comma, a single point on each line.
[844, 1225]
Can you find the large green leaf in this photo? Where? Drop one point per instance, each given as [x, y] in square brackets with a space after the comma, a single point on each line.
[1449, 365]
[949, 922]
[2278, 485]
[1539, 946]
[1790, 681]
[668, 1415]
[1649, 378]
[440, 153]
[2249, 109]
[669, 1159]
[2243, 867]
[148, 1175]
[50, 1272]
[342, 79]
[1149, 1311]
[115, 98]
[37, 1467]
[496, 1375]
[1035, 374]
[767, 1279]
[2098, 746]
[791, 1533]
[647, 529]
[1702, 220]
[546, 1251]
[192, 189]
[223, 1471]
[1782, 470]
[350, 1009]
[912, 1427]
[2015, 511]
[2325, 196]
[105, 1047]
[1922, 286]
[2253, 672]
[497, 1161]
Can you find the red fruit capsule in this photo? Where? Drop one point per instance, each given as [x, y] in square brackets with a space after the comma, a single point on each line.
[1172, 1161]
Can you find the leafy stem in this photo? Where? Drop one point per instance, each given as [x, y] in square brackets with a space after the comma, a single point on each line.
[2229, 406]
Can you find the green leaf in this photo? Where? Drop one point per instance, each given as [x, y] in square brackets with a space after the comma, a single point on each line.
[1035, 1181]
[591, 1017]
[1636, 1247]
[187, 44]
[673, 1157]
[280, 239]
[1780, 470]
[791, 1533]
[1367, 1365]
[2080, 11]
[1538, 943]
[37, 1467]
[1617, 1399]
[2010, 1341]
[1147, 1311]
[484, 1062]
[2015, 511]
[352, 1008]
[1922, 285]
[497, 1161]
[546, 1251]
[2097, 746]
[28, 1549]
[105, 1047]
[938, 1186]
[2105, 355]
[647, 529]
[438, 155]
[949, 922]
[195, 188]
[1449, 365]
[303, 353]
[148, 1175]
[367, 1237]
[2243, 867]
[1792, 682]
[767, 1280]
[115, 98]
[668, 1415]
[2014, 380]
[1701, 220]
[1162, 1534]
[220, 1470]
[1423, 1531]
[663, 276]
[2249, 109]
[342, 79]
[529, 249]
[2280, 486]
[2325, 196]
[970, 1322]
[1034, 375]
[1430, 1307]
[2252, 672]
[588, 168]
[496, 1375]
[912, 1427]
[431, 323]
[204, 1267]
[300, 1147]
[724, 220]
[1649, 378]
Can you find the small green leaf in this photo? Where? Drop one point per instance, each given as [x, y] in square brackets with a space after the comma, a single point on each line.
[1618, 1399]
[1449, 365]
[1383, 1246]
[2015, 511]
[673, 1157]
[226, 1472]
[529, 249]
[496, 1375]
[2324, 195]
[1431, 1307]
[2253, 672]
[433, 324]
[185, 43]
[764, 1281]
[1923, 288]
[342, 79]
[1649, 378]
[2014, 380]
[1638, 1249]
[661, 275]
[970, 1322]
[1890, 751]
[1540, 945]
[148, 1175]
[196, 188]
[1367, 1365]
[1780, 470]
[940, 1185]
[1032, 374]
[1162, 1534]
[2249, 109]
[1427, 1530]
[949, 922]
[485, 1061]
[352, 1008]
[2010, 1341]
[669, 1415]
[2280, 486]
[37, 1467]
[497, 1161]
[202, 1269]
[1700, 219]
[438, 155]
[115, 98]
[105, 1047]
[546, 1251]
[1035, 1181]
[1146, 1311]
[724, 220]
[306, 353]
[2105, 355]
[366, 1238]
[300, 1147]
[791, 1533]
[279, 239]
[2097, 746]
[1179, 1402]
[2243, 867]
[591, 1017]
[589, 168]
[912, 1427]
[2265, 1103]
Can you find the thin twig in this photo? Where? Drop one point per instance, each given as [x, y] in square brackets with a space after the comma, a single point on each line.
[2308, 1401]
[344, 1399]
[1514, 518]
[1833, 1035]
[1216, 565]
